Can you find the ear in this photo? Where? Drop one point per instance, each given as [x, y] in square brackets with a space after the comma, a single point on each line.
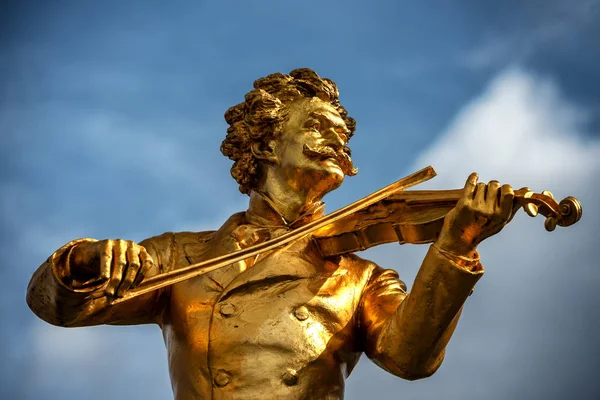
[265, 153]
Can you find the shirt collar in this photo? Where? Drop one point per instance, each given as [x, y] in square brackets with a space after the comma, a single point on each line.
[262, 212]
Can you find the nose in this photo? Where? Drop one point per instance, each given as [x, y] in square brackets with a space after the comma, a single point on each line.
[334, 139]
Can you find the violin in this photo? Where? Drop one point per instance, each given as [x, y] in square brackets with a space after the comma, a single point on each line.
[417, 216]
[391, 214]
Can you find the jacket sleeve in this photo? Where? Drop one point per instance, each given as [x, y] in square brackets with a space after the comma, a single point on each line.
[406, 334]
[58, 300]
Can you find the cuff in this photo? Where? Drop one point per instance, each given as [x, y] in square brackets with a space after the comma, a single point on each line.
[462, 262]
[61, 269]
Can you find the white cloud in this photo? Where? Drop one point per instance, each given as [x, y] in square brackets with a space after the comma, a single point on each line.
[109, 354]
[521, 131]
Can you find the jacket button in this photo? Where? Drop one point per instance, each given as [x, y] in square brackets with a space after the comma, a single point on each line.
[227, 309]
[301, 313]
[290, 377]
[221, 379]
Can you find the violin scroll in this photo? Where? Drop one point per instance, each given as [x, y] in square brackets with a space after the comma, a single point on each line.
[565, 213]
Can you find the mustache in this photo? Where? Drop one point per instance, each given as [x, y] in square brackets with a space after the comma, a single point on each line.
[323, 152]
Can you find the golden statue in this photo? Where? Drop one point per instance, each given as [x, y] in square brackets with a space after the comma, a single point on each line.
[275, 304]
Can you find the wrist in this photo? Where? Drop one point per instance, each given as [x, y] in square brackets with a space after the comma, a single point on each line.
[458, 247]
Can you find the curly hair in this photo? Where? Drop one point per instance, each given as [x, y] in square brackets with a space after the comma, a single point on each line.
[260, 118]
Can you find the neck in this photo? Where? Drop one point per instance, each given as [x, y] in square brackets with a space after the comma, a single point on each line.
[286, 197]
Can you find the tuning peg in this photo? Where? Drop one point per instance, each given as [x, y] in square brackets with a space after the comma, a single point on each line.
[550, 224]
[530, 208]
[547, 193]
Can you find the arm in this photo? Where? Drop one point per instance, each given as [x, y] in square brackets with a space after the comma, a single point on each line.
[69, 293]
[406, 334]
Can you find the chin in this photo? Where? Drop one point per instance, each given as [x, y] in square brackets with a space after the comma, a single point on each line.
[335, 176]
[325, 176]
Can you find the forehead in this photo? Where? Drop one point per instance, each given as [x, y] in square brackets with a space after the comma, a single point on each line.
[315, 108]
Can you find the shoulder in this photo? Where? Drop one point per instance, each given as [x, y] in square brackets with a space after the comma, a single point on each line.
[358, 264]
[371, 273]
[168, 248]
[362, 270]
[172, 248]
[169, 239]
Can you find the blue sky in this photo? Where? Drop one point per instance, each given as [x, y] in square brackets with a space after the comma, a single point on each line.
[111, 116]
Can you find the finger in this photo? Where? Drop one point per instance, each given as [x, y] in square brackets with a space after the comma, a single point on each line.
[507, 196]
[106, 260]
[133, 266]
[118, 266]
[471, 186]
[492, 196]
[479, 198]
[147, 265]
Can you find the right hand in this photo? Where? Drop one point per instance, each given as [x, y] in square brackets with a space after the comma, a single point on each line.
[123, 263]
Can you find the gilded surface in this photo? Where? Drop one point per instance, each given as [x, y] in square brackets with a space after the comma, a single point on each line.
[292, 322]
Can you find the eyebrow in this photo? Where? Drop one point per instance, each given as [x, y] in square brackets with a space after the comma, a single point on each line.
[332, 121]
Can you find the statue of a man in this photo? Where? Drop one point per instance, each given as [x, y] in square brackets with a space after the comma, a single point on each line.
[288, 323]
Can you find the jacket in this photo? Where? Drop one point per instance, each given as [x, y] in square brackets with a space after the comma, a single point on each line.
[290, 324]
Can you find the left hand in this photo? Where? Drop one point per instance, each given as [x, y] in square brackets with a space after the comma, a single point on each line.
[482, 211]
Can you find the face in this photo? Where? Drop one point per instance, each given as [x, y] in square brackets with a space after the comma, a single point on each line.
[310, 151]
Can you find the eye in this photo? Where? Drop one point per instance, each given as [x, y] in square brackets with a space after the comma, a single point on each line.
[342, 133]
[313, 124]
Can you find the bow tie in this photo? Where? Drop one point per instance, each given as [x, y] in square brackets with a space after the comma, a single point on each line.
[248, 234]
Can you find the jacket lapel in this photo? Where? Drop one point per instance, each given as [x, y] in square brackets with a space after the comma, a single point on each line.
[220, 243]
[295, 261]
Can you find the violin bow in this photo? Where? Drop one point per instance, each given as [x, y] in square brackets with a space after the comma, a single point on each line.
[565, 213]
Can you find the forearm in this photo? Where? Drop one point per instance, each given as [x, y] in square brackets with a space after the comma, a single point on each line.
[56, 296]
[412, 340]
